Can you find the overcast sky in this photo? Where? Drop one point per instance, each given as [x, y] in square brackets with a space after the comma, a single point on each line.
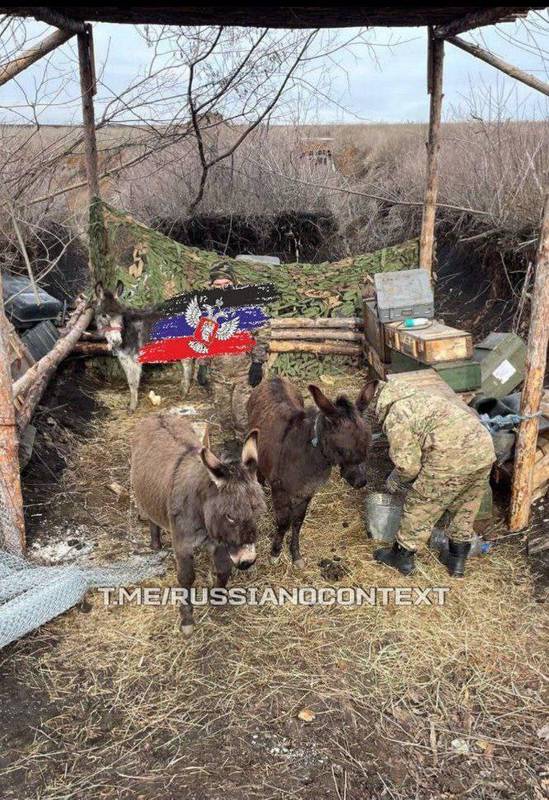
[391, 90]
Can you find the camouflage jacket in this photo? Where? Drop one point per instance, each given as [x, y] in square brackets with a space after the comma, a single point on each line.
[236, 368]
[428, 431]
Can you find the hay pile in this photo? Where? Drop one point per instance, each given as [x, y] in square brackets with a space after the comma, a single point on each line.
[404, 702]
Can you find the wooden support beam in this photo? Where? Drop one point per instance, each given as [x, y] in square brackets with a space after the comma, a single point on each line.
[97, 233]
[434, 83]
[12, 522]
[13, 68]
[476, 19]
[499, 63]
[536, 362]
[57, 19]
[88, 89]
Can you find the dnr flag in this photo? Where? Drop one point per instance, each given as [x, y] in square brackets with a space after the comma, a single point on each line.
[212, 322]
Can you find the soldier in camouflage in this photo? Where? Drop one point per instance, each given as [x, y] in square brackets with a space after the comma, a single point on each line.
[445, 455]
[232, 378]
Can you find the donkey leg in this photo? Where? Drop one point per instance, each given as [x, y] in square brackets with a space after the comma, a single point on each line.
[223, 566]
[156, 541]
[187, 365]
[132, 370]
[281, 505]
[184, 560]
[298, 515]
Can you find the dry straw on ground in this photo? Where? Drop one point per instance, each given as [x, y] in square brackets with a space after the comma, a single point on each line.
[407, 701]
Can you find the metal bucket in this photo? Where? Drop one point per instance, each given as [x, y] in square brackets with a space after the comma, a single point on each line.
[382, 514]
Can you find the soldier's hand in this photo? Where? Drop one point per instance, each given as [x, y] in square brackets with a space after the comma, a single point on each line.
[202, 375]
[395, 484]
[255, 374]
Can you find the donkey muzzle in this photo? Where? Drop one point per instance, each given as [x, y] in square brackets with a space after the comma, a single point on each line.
[244, 557]
[356, 475]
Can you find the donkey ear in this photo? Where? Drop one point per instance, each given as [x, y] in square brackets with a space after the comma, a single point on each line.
[322, 402]
[99, 290]
[215, 467]
[119, 291]
[365, 397]
[250, 452]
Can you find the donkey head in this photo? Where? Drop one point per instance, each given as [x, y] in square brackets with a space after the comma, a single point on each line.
[234, 502]
[109, 311]
[343, 435]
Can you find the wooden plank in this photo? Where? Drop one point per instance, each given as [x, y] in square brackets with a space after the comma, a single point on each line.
[372, 357]
[536, 362]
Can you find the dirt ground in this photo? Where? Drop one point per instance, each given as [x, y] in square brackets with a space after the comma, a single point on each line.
[403, 702]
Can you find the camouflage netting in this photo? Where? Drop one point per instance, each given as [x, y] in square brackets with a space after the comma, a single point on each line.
[154, 268]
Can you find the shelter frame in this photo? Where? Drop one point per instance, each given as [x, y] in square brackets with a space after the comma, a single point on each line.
[441, 28]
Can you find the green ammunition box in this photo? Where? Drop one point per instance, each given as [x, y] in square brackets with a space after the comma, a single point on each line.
[461, 376]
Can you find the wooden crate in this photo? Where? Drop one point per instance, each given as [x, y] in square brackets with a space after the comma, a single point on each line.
[430, 345]
[462, 376]
[378, 366]
[374, 331]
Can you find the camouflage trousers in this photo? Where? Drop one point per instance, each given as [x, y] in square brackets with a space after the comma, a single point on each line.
[431, 495]
[230, 397]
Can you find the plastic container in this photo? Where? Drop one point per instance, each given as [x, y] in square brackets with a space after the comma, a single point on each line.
[21, 306]
[382, 515]
[404, 294]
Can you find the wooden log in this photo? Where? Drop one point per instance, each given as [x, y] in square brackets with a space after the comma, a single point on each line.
[536, 361]
[350, 323]
[476, 19]
[97, 232]
[35, 380]
[301, 334]
[51, 42]
[58, 19]
[91, 349]
[427, 236]
[321, 348]
[12, 521]
[499, 63]
[88, 90]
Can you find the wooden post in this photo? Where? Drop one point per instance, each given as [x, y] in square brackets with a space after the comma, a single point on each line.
[536, 361]
[97, 234]
[434, 85]
[88, 90]
[13, 68]
[12, 522]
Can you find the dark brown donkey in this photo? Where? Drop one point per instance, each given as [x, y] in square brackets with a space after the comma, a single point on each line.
[298, 448]
[181, 486]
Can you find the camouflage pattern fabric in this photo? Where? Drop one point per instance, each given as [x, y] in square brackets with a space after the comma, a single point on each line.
[430, 496]
[444, 449]
[230, 387]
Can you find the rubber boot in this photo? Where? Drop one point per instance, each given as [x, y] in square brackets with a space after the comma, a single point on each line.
[397, 557]
[455, 556]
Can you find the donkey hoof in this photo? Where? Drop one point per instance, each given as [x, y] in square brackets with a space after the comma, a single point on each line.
[186, 630]
[274, 559]
[299, 564]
